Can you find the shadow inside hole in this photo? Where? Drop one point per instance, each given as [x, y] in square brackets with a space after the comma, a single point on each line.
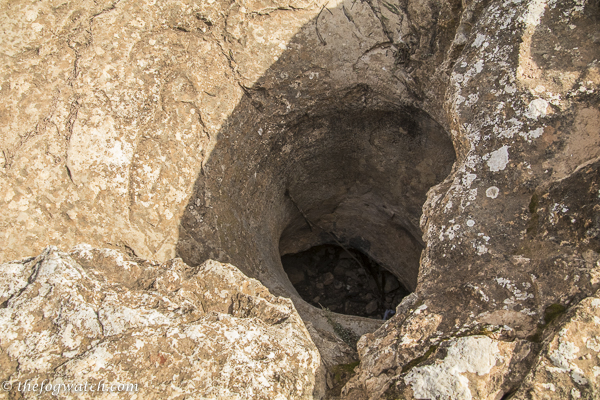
[345, 281]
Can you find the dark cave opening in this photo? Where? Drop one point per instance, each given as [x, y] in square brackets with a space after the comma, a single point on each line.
[344, 280]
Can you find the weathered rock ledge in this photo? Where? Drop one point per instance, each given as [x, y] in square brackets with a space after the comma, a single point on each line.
[92, 316]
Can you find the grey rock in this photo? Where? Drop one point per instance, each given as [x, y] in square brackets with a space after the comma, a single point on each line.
[391, 284]
[371, 307]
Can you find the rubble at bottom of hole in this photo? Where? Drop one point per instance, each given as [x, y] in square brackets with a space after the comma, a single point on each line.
[344, 281]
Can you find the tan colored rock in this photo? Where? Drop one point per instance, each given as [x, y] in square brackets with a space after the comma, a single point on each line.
[108, 109]
[120, 119]
[472, 368]
[568, 366]
[96, 317]
[455, 142]
[514, 228]
[328, 279]
[371, 307]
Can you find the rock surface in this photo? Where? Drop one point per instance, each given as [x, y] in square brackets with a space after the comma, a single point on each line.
[514, 229]
[108, 109]
[568, 366]
[94, 316]
[457, 143]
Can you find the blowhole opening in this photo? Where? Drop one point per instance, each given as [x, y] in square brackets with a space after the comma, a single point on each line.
[345, 281]
[351, 169]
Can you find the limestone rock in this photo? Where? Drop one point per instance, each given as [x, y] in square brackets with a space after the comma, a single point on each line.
[328, 279]
[513, 229]
[371, 307]
[568, 367]
[457, 143]
[473, 367]
[208, 332]
[112, 109]
[391, 284]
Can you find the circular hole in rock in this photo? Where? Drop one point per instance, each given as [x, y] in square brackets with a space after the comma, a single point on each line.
[351, 169]
[344, 280]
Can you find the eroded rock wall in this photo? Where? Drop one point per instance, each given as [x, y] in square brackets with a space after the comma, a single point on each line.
[513, 232]
[109, 109]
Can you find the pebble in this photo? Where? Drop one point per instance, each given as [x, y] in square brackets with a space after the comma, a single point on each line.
[371, 307]
[391, 284]
[328, 279]
[339, 270]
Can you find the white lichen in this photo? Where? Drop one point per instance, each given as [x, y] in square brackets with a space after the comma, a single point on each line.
[445, 380]
[492, 192]
[498, 159]
[562, 356]
[537, 108]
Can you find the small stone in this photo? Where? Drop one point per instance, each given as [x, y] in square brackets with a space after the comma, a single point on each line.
[329, 381]
[338, 285]
[319, 285]
[347, 305]
[316, 299]
[328, 279]
[371, 307]
[391, 284]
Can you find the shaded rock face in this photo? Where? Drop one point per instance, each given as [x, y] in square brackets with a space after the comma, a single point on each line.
[325, 146]
[94, 316]
[455, 143]
[219, 130]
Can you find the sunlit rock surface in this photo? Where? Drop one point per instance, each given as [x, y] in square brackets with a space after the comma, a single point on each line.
[93, 316]
[243, 131]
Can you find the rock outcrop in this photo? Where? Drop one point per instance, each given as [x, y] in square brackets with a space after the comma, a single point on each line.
[513, 231]
[457, 143]
[569, 364]
[94, 317]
